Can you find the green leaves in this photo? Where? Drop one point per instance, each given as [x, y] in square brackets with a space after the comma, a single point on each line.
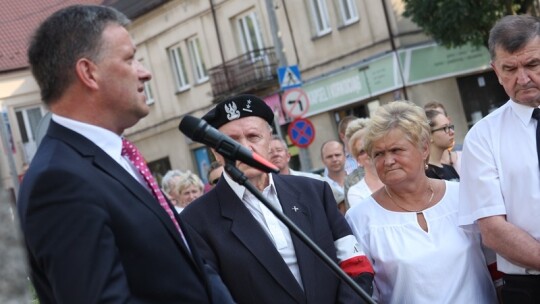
[453, 23]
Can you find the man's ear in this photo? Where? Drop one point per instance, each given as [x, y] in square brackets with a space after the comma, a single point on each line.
[218, 157]
[496, 72]
[86, 71]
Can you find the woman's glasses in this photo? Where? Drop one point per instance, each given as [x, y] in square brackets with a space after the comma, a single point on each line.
[446, 129]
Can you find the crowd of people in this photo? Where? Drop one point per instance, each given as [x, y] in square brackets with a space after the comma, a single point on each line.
[402, 214]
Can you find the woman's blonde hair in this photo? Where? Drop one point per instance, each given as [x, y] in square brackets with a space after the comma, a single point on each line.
[355, 132]
[403, 115]
[189, 179]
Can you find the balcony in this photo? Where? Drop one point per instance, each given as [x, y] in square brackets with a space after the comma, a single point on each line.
[255, 70]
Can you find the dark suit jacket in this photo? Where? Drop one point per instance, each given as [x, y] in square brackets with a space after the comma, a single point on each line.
[234, 243]
[95, 235]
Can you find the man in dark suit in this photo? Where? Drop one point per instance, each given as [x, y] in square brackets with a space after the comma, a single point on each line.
[255, 254]
[95, 231]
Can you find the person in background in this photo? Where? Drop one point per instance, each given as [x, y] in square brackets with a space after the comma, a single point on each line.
[370, 182]
[350, 162]
[409, 227]
[357, 174]
[97, 228]
[280, 157]
[214, 173]
[257, 256]
[442, 139]
[451, 157]
[333, 158]
[189, 187]
[168, 183]
[500, 175]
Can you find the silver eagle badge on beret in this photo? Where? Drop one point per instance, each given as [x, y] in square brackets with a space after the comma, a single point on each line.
[232, 111]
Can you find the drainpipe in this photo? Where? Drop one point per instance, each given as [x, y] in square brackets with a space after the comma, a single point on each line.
[212, 8]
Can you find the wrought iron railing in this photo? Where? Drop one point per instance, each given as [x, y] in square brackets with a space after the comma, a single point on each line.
[252, 70]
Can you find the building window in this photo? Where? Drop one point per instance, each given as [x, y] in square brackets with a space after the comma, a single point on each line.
[195, 52]
[148, 88]
[28, 120]
[250, 35]
[348, 12]
[179, 69]
[149, 94]
[320, 17]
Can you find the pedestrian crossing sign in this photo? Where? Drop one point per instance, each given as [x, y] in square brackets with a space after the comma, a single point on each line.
[289, 77]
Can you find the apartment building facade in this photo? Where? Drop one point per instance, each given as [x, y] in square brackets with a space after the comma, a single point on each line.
[353, 55]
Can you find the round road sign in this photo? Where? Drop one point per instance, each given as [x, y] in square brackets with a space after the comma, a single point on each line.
[301, 132]
[295, 102]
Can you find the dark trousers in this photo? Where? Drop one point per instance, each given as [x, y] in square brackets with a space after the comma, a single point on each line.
[522, 289]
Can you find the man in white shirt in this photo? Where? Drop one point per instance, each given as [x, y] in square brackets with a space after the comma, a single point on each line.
[258, 258]
[333, 158]
[500, 175]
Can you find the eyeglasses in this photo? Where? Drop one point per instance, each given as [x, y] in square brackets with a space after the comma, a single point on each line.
[446, 129]
[214, 181]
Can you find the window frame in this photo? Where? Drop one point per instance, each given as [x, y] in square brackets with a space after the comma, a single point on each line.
[30, 129]
[197, 60]
[348, 6]
[320, 17]
[255, 37]
[148, 91]
[179, 68]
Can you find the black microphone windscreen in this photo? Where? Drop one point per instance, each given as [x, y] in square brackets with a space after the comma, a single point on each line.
[189, 126]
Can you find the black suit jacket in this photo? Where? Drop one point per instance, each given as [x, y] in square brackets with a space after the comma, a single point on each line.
[95, 235]
[234, 243]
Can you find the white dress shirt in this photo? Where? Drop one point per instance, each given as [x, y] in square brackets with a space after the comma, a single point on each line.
[500, 173]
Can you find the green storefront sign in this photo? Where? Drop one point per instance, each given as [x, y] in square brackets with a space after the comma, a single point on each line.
[435, 62]
[382, 75]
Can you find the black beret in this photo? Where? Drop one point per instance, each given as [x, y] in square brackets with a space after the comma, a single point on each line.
[237, 107]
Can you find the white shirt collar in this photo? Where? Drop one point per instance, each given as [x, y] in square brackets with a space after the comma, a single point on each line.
[523, 112]
[240, 190]
[107, 140]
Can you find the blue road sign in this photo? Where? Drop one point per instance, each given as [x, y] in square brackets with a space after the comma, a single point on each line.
[301, 132]
[289, 77]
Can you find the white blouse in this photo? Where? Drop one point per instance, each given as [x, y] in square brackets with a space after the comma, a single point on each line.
[358, 192]
[443, 265]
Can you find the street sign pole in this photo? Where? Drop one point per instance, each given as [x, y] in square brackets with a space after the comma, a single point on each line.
[305, 160]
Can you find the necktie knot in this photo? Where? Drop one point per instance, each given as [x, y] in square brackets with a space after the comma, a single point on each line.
[536, 114]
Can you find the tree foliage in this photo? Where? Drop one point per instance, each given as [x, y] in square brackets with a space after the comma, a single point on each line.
[454, 23]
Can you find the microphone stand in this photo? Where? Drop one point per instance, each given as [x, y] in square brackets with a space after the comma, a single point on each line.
[240, 178]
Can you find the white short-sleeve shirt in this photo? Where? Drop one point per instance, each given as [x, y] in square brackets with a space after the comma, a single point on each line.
[500, 174]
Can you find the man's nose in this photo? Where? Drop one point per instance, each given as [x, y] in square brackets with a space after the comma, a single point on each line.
[523, 77]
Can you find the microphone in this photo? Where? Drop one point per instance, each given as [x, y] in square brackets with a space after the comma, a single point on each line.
[200, 131]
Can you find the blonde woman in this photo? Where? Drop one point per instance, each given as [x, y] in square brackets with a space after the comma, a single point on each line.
[409, 228]
[182, 188]
[370, 182]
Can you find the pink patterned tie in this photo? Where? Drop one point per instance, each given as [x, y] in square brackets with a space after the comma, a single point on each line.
[134, 155]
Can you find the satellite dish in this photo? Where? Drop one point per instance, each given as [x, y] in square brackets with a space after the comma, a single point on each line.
[42, 127]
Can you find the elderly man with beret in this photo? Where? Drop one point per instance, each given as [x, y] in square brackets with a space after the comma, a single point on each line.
[257, 256]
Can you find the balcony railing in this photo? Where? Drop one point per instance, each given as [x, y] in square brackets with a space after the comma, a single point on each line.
[251, 71]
